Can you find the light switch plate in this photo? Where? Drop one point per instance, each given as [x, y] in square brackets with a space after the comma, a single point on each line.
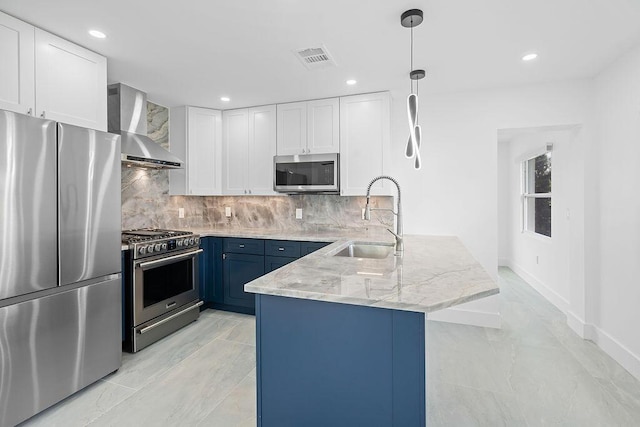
[180, 212]
[227, 211]
[298, 213]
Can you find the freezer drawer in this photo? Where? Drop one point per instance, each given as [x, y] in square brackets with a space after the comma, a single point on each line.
[89, 203]
[28, 239]
[53, 346]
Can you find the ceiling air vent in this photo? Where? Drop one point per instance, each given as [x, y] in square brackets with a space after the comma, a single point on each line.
[315, 57]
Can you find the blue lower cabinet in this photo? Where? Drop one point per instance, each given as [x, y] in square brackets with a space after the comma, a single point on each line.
[238, 270]
[210, 270]
[330, 364]
[273, 263]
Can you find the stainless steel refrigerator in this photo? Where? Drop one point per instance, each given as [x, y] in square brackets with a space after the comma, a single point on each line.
[60, 265]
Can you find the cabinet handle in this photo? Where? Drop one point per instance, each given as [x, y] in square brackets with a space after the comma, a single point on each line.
[304, 151]
[224, 256]
[241, 246]
[30, 111]
[42, 115]
[249, 191]
[245, 191]
[281, 249]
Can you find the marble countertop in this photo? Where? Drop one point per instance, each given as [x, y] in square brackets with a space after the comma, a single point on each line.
[435, 272]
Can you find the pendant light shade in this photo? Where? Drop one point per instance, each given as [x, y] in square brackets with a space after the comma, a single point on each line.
[409, 19]
[412, 115]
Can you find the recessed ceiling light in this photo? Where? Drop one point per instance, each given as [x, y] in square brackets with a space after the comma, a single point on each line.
[97, 34]
[351, 82]
[225, 99]
[530, 57]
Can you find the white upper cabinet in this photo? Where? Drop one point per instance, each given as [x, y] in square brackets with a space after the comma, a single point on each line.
[310, 127]
[262, 148]
[71, 82]
[196, 137]
[249, 145]
[46, 76]
[235, 151]
[292, 128]
[323, 126]
[17, 69]
[364, 143]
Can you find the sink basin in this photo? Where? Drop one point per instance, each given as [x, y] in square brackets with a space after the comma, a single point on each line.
[366, 250]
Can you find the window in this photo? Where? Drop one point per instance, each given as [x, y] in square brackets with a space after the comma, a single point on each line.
[536, 194]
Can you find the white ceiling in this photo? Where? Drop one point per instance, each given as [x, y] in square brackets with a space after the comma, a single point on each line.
[194, 51]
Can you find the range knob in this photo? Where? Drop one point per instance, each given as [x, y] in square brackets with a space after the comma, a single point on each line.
[142, 250]
[179, 243]
[197, 240]
[186, 242]
[164, 246]
[191, 241]
[158, 247]
[150, 249]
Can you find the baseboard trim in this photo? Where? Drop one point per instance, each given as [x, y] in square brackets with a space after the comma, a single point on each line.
[503, 262]
[577, 325]
[552, 296]
[615, 349]
[467, 317]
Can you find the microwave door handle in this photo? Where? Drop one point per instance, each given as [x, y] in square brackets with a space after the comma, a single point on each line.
[168, 260]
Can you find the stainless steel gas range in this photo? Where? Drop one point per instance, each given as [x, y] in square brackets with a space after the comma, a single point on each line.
[161, 284]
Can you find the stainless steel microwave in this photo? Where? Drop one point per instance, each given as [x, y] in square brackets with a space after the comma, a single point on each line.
[307, 173]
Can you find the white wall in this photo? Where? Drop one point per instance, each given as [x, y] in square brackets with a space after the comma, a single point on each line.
[542, 261]
[613, 298]
[455, 193]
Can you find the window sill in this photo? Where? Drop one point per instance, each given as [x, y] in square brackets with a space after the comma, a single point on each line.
[537, 236]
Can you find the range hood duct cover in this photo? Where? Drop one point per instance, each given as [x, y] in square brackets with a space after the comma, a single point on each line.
[127, 116]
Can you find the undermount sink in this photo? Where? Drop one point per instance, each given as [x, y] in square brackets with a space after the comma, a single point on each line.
[366, 250]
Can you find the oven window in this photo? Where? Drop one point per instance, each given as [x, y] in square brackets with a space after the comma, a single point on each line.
[305, 173]
[167, 281]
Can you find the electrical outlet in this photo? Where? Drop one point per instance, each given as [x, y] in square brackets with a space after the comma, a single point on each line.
[363, 210]
[227, 211]
[180, 212]
[298, 213]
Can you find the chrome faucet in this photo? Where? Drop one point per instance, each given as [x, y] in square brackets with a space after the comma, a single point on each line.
[397, 213]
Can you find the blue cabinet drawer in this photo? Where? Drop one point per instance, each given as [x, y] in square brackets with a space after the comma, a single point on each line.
[307, 247]
[282, 248]
[244, 246]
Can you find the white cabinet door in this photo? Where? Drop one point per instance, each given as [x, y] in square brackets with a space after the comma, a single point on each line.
[204, 158]
[235, 150]
[17, 69]
[292, 128]
[71, 82]
[364, 143]
[323, 126]
[262, 148]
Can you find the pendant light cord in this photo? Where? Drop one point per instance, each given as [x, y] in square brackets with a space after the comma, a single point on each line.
[411, 59]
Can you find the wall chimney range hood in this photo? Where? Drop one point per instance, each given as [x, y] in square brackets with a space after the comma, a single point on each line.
[127, 114]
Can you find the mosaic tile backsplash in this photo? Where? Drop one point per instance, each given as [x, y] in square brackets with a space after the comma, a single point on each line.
[146, 201]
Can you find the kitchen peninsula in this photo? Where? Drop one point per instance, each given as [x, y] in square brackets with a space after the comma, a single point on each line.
[341, 340]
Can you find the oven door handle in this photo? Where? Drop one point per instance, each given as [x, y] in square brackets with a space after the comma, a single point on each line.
[168, 260]
[173, 316]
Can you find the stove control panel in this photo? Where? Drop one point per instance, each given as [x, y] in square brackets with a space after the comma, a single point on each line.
[158, 246]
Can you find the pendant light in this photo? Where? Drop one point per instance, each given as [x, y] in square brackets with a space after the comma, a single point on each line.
[409, 19]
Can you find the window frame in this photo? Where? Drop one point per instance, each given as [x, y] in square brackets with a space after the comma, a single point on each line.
[526, 195]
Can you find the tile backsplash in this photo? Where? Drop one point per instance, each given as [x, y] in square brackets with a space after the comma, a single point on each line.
[146, 201]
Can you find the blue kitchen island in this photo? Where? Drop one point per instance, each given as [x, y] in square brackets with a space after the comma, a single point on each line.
[341, 340]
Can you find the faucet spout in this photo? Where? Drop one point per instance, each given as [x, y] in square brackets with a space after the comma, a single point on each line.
[398, 213]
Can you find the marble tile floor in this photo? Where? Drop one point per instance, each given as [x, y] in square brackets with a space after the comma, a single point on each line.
[534, 371]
